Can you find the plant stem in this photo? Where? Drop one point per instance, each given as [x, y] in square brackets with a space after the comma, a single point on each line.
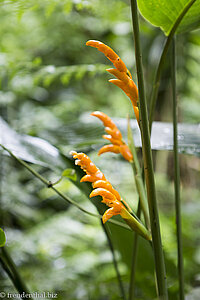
[6, 269]
[135, 224]
[134, 259]
[156, 82]
[148, 165]
[66, 198]
[121, 287]
[138, 177]
[11, 269]
[177, 174]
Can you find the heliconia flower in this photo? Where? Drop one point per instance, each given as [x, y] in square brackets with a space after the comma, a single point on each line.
[114, 137]
[124, 79]
[93, 173]
[102, 187]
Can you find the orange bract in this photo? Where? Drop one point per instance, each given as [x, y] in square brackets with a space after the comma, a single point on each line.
[124, 78]
[93, 173]
[115, 137]
[102, 187]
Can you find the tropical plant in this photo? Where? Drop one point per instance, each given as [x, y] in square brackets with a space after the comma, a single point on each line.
[45, 132]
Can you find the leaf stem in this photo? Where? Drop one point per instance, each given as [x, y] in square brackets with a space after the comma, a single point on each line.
[148, 165]
[121, 287]
[11, 269]
[156, 82]
[135, 224]
[177, 174]
[138, 177]
[66, 198]
[134, 259]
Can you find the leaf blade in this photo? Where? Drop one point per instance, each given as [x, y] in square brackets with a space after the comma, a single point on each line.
[165, 13]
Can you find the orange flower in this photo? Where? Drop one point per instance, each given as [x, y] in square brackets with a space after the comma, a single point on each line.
[114, 136]
[102, 187]
[124, 81]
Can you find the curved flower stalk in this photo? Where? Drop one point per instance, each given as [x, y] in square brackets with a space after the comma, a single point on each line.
[114, 136]
[102, 187]
[124, 79]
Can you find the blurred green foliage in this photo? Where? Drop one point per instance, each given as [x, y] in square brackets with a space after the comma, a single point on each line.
[48, 79]
[2, 238]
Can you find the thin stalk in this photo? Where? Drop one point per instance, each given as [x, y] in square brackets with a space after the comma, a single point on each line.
[135, 251]
[177, 174]
[121, 287]
[6, 269]
[134, 259]
[138, 177]
[156, 82]
[135, 224]
[11, 269]
[66, 198]
[148, 165]
[142, 195]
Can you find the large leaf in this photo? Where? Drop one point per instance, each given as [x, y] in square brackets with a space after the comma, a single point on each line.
[29, 148]
[164, 14]
[87, 132]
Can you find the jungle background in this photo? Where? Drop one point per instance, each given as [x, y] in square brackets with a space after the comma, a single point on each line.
[50, 83]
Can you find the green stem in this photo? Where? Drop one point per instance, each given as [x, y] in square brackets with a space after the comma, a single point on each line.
[156, 82]
[66, 198]
[148, 165]
[135, 224]
[121, 287]
[11, 269]
[177, 175]
[6, 269]
[134, 259]
[138, 177]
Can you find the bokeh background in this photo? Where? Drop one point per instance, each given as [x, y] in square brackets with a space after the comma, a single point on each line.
[50, 83]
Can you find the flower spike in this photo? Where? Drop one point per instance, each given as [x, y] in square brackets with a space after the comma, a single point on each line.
[93, 173]
[106, 185]
[115, 137]
[102, 187]
[123, 75]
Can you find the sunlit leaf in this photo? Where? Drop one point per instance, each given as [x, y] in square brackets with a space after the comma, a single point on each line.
[70, 173]
[164, 14]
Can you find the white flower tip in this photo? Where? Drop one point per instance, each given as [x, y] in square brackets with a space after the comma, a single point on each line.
[72, 152]
[77, 162]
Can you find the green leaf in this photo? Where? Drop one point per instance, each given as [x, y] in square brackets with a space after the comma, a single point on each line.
[31, 149]
[84, 133]
[70, 173]
[164, 14]
[2, 238]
